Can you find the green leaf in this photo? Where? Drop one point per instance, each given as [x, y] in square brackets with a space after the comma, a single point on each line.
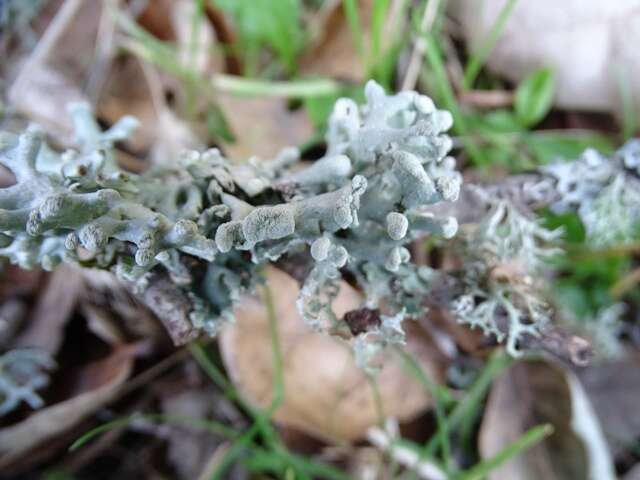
[534, 97]
[532, 437]
[550, 147]
[266, 24]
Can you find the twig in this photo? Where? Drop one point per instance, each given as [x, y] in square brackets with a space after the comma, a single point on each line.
[155, 88]
[53, 33]
[625, 284]
[487, 98]
[417, 55]
[103, 50]
[384, 440]
[171, 305]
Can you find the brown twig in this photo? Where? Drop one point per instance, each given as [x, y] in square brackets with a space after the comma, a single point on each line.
[487, 98]
[171, 305]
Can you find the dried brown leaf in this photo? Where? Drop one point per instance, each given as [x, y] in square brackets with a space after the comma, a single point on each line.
[125, 92]
[263, 126]
[335, 54]
[326, 394]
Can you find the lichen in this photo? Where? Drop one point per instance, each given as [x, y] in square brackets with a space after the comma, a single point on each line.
[604, 192]
[354, 210]
[503, 255]
[23, 372]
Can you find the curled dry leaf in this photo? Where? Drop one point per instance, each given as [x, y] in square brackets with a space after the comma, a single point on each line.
[589, 44]
[533, 393]
[326, 394]
[98, 384]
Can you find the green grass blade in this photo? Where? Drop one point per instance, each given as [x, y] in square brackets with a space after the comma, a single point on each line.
[627, 104]
[441, 398]
[265, 88]
[278, 371]
[477, 59]
[378, 15]
[183, 420]
[352, 13]
[528, 440]
[412, 366]
[447, 96]
[266, 25]
[317, 469]
[465, 411]
[262, 419]
[239, 446]
[214, 373]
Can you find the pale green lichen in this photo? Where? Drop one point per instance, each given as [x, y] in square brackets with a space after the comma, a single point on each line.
[355, 209]
[503, 254]
[604, 192]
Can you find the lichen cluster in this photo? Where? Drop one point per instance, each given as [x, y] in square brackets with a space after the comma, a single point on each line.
[503, 256]
[210, 222]
[603, 191]
[505, 253]
[23, 372]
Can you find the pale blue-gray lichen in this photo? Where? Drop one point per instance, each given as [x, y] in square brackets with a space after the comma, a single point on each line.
[603, 191]
[23, 372]
[503, 255]
[356, 209]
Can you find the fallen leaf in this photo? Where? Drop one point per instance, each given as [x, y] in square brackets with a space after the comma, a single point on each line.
[125, 92]
[614, 389]
[326, 394]
[533, 393]
[334, 53]
[262, 126]
[98, 384]
[586, 43]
